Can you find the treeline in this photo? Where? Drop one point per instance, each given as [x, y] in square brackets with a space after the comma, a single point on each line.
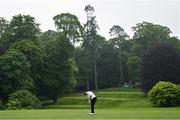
[74, 57]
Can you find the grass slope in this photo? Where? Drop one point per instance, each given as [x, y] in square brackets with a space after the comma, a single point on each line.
[108, 98]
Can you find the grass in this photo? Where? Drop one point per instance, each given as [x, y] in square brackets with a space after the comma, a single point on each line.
[108, 98]
[128, 113]
[122, 104]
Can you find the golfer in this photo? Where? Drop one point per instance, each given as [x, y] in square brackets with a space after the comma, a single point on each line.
[91, 100]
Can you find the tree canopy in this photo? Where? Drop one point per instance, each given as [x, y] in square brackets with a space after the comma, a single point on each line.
[69, 25]
[159, 63]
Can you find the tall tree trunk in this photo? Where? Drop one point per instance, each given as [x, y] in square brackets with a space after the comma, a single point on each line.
[95, 75]
[95, 69]
[87, 84]
[120, 66]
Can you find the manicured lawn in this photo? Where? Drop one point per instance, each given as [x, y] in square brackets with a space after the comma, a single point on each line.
[124, 113]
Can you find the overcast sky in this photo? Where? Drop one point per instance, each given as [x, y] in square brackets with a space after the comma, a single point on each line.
[125, 13]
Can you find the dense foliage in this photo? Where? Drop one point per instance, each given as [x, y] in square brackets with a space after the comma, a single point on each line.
[35, 57]
[14, 71]
[165, 94]
[69, 25]
[19, 28]
[160, 62]
[58, 77]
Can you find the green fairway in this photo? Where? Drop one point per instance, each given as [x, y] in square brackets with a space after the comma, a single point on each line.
[128, 113]
[122, 104]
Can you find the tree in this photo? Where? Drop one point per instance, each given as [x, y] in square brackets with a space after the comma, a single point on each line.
[14, 73]
[90, 28]
[133, 64]
[47, 36]
[59, 73]
[146, 34]
[86, 59]
[90, 31]
[34, 55]
[3, 25]
[24, 27]
[84, 67]
[69, 25]
[20, 27]
[84, 56]
[119, 36]
[107, 60]
[160, 62]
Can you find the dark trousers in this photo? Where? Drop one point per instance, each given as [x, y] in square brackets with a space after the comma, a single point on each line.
[93, 101]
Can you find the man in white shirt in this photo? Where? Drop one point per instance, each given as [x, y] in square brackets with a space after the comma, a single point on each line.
[91, 99]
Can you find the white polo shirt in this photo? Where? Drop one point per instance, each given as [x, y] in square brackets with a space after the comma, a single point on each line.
[90, 95]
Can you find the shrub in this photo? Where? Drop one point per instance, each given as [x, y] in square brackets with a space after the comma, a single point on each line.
[23, 99]
[165, 94]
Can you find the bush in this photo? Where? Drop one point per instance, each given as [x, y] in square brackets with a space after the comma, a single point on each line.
[23, 99]
[165, 94]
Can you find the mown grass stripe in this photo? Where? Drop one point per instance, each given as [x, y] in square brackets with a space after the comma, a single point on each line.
[90, 119]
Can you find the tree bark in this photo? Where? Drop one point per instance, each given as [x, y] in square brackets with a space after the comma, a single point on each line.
[120, 66]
